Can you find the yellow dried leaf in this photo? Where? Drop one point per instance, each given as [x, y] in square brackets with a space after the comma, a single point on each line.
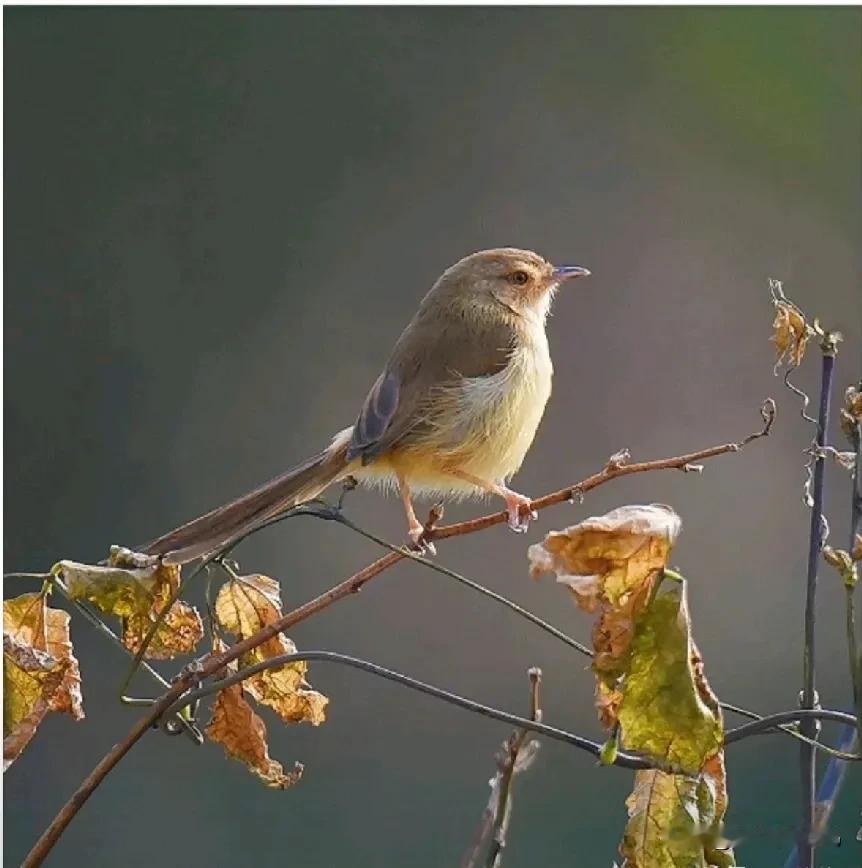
[619, 550]
[137, 588]
[30, 620]
[31, 678]
[853, 402]
[610, 564]
[40, 672]
[248, 603]
[790, 334]
[242, 733]
[242, 607]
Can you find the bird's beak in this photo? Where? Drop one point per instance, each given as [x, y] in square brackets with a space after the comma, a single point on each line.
[566, 272]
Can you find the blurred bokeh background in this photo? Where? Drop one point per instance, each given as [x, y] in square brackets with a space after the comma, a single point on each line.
[217, 222]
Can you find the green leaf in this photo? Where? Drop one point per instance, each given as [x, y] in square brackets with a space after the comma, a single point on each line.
[662, 712]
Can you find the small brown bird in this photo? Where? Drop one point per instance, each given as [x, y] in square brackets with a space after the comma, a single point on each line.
[452, 414]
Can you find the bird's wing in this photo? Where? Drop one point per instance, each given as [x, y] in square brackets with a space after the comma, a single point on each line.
[428, 356]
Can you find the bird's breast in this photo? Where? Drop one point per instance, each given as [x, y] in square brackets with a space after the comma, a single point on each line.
[486, 425]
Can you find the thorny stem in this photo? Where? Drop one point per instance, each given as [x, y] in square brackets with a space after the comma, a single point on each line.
[213, 662]
[807, 753]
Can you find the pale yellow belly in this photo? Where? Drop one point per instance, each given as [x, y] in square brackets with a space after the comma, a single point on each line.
[483, 428]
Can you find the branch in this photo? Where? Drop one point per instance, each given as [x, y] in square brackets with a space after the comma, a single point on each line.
[352, 585]
[614, 469]
[497, 813]
[515, 747]
[808, 698]
[771, 722]
[849, 741]
[626, 760]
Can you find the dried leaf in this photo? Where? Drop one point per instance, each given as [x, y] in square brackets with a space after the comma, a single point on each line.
[137, 588]
[40, 672]
[853, 402]
[663, 826]
[844, 563]
[790, 334]
[672, 824]
[662, 711]
[617, 552]
[610, 563]
[242, 733]
[243, 606]
[30, 620]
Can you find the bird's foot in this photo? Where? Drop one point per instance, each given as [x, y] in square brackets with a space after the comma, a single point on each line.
[419, 541]
[520, 510]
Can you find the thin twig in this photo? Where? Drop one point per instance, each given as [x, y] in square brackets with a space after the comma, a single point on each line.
[772, 722]
[469, 583]
[851, 738]
[352, 585]
[627, 760]
[179, 719]
[515, 745]
[807, 754]
[497, 814]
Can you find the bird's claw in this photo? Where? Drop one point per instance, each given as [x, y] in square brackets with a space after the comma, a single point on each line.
[521, 513]
[419, 541]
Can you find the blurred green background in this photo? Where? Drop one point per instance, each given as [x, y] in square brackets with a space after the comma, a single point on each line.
[218, 221]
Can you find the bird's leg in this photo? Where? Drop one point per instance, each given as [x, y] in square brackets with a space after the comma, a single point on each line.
[520, 508]
[415, 528]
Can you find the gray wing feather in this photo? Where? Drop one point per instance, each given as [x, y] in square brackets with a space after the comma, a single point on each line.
[393, 408]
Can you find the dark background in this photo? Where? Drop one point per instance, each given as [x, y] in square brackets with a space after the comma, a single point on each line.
[218, 221]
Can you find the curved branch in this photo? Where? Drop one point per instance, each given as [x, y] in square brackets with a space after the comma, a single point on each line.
[634, 761]
[771, 722]
[626, 760]
[212, 663]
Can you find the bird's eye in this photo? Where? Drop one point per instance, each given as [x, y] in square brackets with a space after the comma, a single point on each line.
[520, 278]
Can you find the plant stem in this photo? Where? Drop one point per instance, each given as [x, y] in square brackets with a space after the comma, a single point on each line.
[516, 743]
[807, 753]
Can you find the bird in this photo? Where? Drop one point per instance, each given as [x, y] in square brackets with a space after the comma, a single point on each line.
[452, 414]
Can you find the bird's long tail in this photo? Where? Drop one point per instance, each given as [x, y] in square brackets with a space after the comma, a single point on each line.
[203, 535]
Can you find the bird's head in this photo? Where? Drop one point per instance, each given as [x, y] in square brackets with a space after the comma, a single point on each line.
[520, 280]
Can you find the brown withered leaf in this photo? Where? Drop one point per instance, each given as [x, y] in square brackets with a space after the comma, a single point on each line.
[31, 680]
[609, 563]
[790, 334]
[242, 607]
[40, 672]
[30, 620]
[242, 733]
[137, 588]
[619, 551]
